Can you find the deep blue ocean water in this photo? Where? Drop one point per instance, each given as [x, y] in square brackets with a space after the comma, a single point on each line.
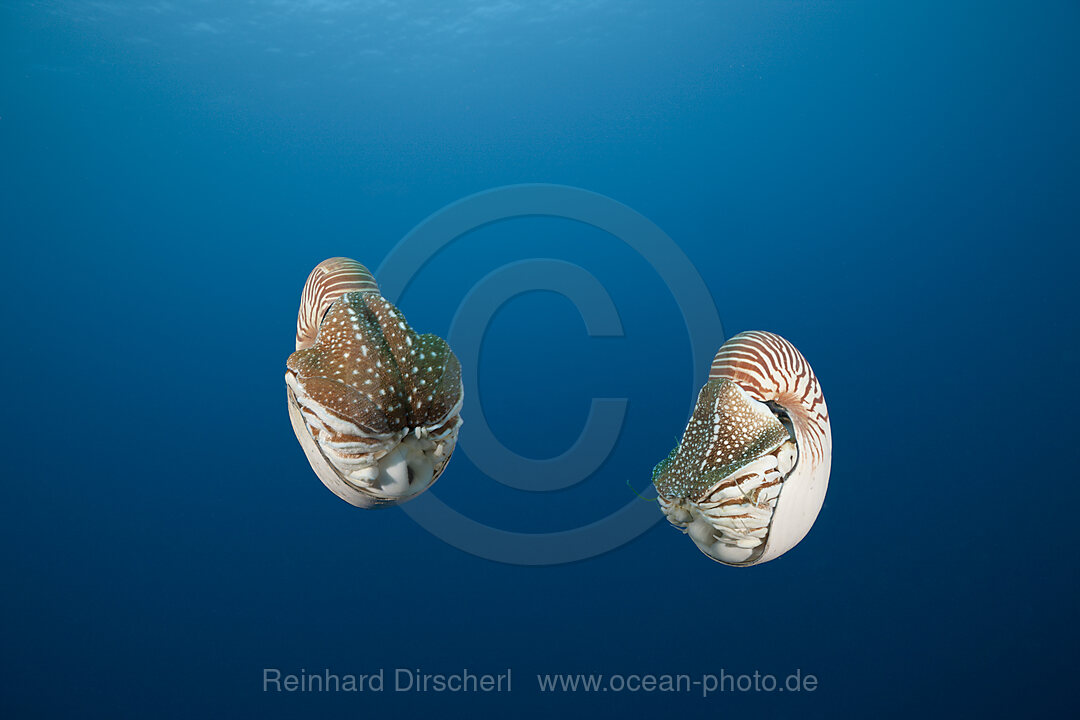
[893, 186]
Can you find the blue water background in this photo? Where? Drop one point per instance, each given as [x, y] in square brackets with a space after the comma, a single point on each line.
[891, 185]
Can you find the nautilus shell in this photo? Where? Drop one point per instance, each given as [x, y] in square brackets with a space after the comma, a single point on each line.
[749, 476]
[375, 406]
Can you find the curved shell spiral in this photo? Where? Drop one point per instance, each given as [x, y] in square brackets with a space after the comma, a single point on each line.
[749, 477]
[375, 406]
[329, 280]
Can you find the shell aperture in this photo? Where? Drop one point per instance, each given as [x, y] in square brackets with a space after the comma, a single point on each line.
[375, 405]
[749, 476]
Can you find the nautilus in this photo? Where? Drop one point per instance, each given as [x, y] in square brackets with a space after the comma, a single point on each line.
[376, 407]
[749, 476]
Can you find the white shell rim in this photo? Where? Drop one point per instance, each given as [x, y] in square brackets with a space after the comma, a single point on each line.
[355, 495]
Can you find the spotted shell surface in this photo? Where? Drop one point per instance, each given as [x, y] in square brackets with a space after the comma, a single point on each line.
[375, 405]
[726, 432]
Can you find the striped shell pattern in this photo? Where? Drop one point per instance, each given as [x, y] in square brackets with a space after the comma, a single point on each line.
[375, 406]
[749, 477]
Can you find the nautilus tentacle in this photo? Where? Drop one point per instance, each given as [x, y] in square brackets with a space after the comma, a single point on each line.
[749, 477]
[375, 406]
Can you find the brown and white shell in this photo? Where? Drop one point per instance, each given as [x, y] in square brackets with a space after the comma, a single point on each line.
[376, 407]
[749, 477]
